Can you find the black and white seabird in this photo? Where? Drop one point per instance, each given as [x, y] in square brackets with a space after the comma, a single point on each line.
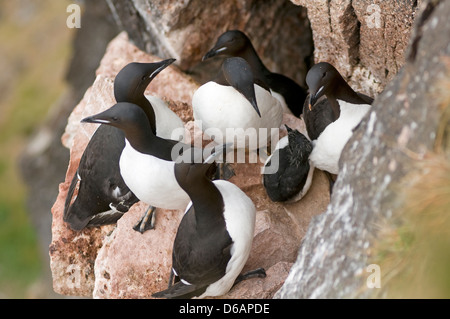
[102, 195]
[147, 161]
[236, 43]
[214, 237]
[130, 85]
[236, 108]
[348, 107]
[290, 175]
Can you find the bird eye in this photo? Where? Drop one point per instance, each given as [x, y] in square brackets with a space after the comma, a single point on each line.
[144, 77]
[115, 119]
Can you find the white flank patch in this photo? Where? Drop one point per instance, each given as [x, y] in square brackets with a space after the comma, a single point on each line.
[328, 147]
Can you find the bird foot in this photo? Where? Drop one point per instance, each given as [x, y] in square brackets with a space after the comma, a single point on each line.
[226, 171]
[256, 273]
[147, 221]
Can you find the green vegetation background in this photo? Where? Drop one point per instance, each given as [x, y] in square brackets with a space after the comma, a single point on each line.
[34, 51]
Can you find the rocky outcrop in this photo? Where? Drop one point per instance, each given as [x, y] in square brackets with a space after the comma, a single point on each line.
[365, 40]
[186, 30]
[335, 253]
[118, 262]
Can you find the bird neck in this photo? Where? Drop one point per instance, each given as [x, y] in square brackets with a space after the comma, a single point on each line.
[260, 72]
[207, 202]
[252, 57]
[148, 109]
[144, 141]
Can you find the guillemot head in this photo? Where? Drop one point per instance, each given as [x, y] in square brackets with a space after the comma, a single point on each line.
[126, 116]
[133, 79]
[321, 80]
[229, 43]
[238, 73]
[187, 173]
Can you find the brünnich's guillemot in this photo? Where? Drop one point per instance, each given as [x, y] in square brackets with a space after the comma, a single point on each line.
[130, 85]
[147, 161]
[236, 43]
[102, 195]
[293, 173]
[236, 107]
[348, 107]
[214, 237]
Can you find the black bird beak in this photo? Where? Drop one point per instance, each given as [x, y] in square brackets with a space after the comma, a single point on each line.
[100, 118]
[213, 52]
[93, 119]
[255, 106]
[314, 96]
[155, 68]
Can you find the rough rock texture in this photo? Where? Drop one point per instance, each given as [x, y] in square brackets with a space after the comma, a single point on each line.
[186, 30]
[335, 252]
[365, 39]
[118, 262]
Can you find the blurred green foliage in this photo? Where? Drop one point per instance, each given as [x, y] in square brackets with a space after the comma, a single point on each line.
[36, 46]
[413, 250]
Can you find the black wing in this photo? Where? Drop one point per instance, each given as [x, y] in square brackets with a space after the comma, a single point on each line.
[99, 175]
[200, 256]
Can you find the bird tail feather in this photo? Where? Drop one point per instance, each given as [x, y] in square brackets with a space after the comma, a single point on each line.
[178, 290]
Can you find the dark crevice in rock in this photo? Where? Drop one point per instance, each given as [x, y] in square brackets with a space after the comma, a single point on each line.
[355, 36]
[418, 29]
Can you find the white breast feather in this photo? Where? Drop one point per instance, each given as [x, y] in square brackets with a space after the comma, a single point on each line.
[152, 180]
[328, 147]
[220, 107]
[282, 101]
[168, 124]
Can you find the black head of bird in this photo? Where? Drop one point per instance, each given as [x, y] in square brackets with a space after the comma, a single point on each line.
[126, 116]
[230, 43]
[322, 79]
[189, 174]
[130, 83]
[237, 73]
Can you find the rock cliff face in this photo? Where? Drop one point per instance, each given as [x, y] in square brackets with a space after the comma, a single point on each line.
[325, 246]
[365, 40]
[335, 253]
[186, 30]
